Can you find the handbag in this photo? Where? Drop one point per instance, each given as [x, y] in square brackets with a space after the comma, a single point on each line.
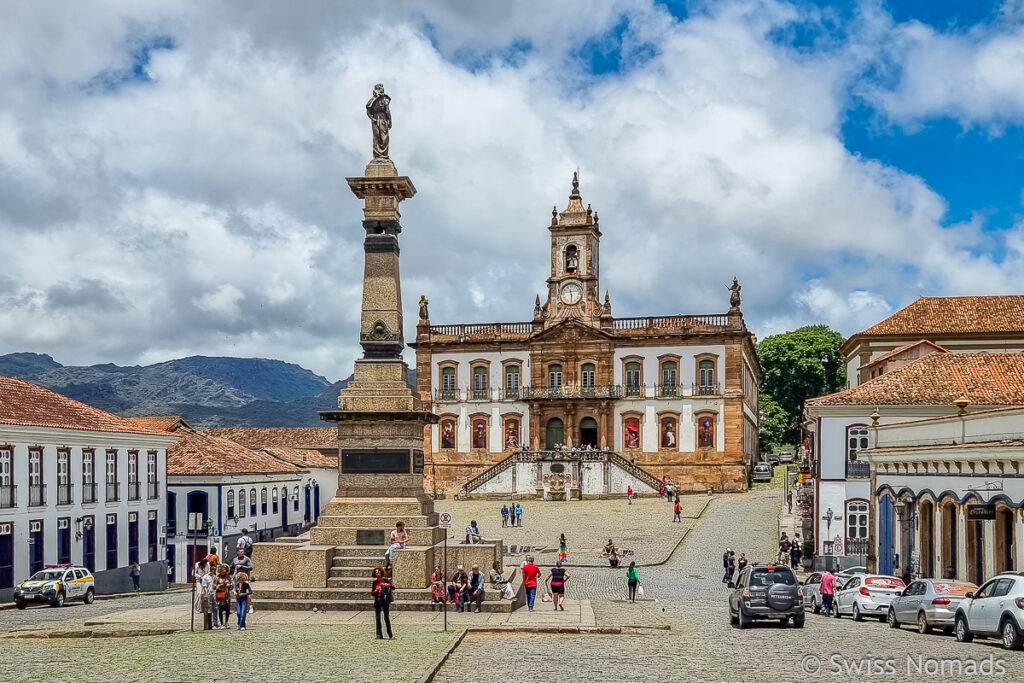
[640, 591]
[507, 591]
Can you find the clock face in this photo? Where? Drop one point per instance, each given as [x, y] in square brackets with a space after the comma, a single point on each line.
[572, 293]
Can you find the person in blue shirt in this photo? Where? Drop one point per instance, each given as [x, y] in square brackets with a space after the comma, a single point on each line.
[504, 515]
[518, 515]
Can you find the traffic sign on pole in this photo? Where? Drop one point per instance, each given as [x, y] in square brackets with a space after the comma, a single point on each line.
[444, 520]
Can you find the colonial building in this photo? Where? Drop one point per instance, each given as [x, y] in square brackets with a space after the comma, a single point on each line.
[78, 485]
[839, 429]
[675, 393]
[948, 493]
[955, 323]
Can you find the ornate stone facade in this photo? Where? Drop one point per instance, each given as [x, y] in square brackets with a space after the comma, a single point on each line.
[676, 393]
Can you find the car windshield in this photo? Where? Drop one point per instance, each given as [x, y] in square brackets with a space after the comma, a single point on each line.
[48, 575]
[884, 582]
[768, 577]
[952, 588]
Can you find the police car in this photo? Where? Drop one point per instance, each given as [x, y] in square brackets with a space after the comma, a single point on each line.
[56, 584]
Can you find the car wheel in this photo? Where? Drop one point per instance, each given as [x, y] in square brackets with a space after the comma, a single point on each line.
[891, 618]
[743, 619]
[815, 607]
[923, 626]
[58, 600]
[856, 613]
[961, 630]
[1012, 637]
[90, 595]
[836, 608]
[798, 621]
[20, 605]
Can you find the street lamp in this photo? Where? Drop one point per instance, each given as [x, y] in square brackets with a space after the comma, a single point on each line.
[80, 524]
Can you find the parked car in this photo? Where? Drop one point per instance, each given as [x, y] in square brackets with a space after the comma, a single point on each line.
[762, 472]
[844, 575]
[867, 595]
[812, 592]
[995, 610]
[786, 456]
[771, 458]
[766, 592]
[929, 603]
[56, 584]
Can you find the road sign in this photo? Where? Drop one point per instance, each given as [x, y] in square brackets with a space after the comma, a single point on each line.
[444, 520]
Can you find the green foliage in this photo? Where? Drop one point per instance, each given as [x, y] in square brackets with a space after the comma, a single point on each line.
[807, 549]
[775, 421]
[799, 365]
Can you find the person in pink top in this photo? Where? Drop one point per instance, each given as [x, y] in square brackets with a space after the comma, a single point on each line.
[530, 574]
[399, 537]
[828, 591]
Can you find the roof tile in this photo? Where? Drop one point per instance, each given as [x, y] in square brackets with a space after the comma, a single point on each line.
[291, 437]
[955, 315]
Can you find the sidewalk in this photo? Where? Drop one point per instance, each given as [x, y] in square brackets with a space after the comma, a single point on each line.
[171, 588]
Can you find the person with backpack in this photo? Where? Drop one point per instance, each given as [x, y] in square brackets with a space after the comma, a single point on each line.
[383, 595]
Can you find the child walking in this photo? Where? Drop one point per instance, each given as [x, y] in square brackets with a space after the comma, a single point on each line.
[563, 551]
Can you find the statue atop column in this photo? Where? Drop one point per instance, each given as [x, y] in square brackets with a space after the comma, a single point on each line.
[424, 311]
[734, 298]
[379, 111]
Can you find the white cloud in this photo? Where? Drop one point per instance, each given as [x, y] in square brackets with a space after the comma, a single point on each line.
[210, 205]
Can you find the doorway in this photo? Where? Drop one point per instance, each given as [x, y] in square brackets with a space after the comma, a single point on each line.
[1004, 545]
[886, 552]
[554, 434]
[926, 521]
[588, 432]
[950, 540]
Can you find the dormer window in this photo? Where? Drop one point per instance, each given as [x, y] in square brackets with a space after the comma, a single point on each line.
[572, 259]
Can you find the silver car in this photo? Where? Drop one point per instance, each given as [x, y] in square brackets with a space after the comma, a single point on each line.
[762, 473]
[929, 603]
[867, 595]
[812, 592]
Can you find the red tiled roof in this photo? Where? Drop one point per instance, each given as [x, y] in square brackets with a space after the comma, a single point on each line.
[24, 403]
[163, 423]
[955, 315]
[900, 349]
[291, 437]
[986, 379]
[302, 457]
[199, 453]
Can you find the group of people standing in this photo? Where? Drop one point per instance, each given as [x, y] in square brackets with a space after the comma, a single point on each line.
[790, 550]
[732, 565]
[218, 582]
[512, 515]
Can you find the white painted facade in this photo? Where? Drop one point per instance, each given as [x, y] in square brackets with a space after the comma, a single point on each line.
[62, 513]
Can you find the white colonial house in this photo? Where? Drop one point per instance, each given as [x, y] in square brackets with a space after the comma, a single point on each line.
[948, 493]
[217, 488]
[78, 485]
[839, 428]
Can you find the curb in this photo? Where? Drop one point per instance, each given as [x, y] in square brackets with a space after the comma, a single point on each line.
[114, 596]
[682, 538]
[429, 676]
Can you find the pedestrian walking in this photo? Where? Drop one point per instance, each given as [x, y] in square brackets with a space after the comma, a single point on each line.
[199, 570]
[727, 564]
[222, 595]
[135, 571]
[633, 579]
[241, 563]
[206, 601]
[504, 515]
[629, 495]
[661, 488]
[243, 595]
[563, 549]
[383, 594]
[530, 574]
[245, 542]
[213, 558]
[784, 546]
[677, 509]
[519, 515]
[741, 562]
[794, 555]
[556, 579]
[828, 589]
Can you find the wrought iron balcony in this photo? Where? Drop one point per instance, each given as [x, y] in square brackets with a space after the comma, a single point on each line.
[8, 496]
[154, 490]
[134, 490]
[513, 394]
[633, 390]
[89, 492]
[36, 494]
[857, 546]
[446, 394]
[572, 391]
[480, 395]
[669, 390]
[64, 494]
[113, 491]
[706, 390]
[858, 469]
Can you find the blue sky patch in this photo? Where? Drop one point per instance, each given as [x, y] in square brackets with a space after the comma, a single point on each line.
[140, 51]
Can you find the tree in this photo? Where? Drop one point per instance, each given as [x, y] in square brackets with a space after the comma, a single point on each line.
[796, 366]
[775, 421]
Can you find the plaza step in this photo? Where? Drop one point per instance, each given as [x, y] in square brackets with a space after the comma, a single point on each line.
[352, 572]
[393, 507]
[325, 605]
[377, 521]
[364, 582]
[374, 551]
[358, 561]
[347, 535]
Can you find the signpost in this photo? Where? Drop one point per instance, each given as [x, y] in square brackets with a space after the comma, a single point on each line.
[444, 520]
[981, 512]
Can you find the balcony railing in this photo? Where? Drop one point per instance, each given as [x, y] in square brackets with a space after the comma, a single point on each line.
[480, 395]
[672, 322]
[134, 490]
[513, 394]
[669, 390]
[113, 491]
[573, 391]
[89, 492]
[706, 390]
[577, 391]
[154, 490]
[857, 546]
[446, 394]
[63, 494]
[858, 469]
[36, 494]
[8, 496]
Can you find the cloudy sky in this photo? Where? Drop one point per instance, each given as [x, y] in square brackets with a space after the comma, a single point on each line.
[172, 175]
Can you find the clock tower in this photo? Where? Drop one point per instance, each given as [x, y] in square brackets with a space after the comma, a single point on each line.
[573, 287]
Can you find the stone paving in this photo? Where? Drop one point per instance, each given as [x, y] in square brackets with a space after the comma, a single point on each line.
[14, 618]
[701, 644]
[644, 531]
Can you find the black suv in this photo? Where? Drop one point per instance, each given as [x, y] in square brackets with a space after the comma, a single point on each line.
[766, 592]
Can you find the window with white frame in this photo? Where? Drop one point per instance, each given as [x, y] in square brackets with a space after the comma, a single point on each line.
[88, 469]
[856, 519]
[231, 504]
[295, 498]
[588, 376]
[35, 467]
[274, 496]
[856, 440]
[252, 502]
[111, 467]
[5, 467]
[263, 501]
[241, 502]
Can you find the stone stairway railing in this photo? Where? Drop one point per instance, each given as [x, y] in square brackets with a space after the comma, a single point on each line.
[491, 472]
[638, 472]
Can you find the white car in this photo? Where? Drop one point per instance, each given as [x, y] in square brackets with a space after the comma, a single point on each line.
[56, 584]
[762, 472]
[867, 595]
[995, 610]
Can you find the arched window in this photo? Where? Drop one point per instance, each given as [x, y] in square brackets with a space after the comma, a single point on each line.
[555, 376]
[633, 378]
[856, 519]
[274, 496]
[241, 502]
[479, 432]
[448, 433]
[448, 383]
[231, 503]
[252, 502]
[669, 378]
[706, 384]
[588, 377]
[511, 381]
[572, 259]
[263, 501]
[705, 431]
[669, 432]
[480, 382]
[856, 440]
[295, 499]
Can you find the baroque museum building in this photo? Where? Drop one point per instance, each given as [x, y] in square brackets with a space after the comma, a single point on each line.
[676, 394]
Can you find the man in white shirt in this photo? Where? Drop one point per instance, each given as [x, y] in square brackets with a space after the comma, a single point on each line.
[245, 543]
[473, 533]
